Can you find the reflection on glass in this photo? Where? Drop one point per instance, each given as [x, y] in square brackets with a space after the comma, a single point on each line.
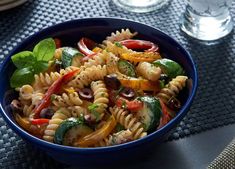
[140, 5]
[207, 19]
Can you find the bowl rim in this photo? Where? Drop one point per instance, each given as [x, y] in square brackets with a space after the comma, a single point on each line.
[49, 145]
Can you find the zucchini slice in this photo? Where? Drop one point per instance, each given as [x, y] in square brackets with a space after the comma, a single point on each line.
[150, 114]
[169, 67]
[70, 130]
[71, 57]
[126, 68]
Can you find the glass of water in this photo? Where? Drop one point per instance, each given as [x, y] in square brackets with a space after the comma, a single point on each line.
[207, 20]
[141, 6]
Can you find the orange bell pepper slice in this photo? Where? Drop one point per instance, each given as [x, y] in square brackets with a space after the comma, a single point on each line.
[141, 56]
[97, 135]
[140, 84]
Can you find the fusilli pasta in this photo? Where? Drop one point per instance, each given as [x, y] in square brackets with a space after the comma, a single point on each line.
[87, 76]
[54, 123]
[47, 79]
[117, 50]
[129, 122]
[36, 98]
[70, 99]
[119, 36]
[172, 88]
[100, 95]
[98, 59]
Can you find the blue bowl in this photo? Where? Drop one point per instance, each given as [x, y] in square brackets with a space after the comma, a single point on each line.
[97, 29]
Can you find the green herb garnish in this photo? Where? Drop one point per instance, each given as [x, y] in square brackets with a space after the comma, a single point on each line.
[119, 127]
[162, 84]
[118, 44]
[92, 108]
[53, 96]
[29, 63]
[123, 104]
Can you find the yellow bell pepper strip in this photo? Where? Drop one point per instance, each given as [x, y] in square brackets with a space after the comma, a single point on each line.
[69, 89]
[140, 84]
[141, 56]
[53, 89]
[36, 130]
[97, 50]
[140, 44]
[97, 135]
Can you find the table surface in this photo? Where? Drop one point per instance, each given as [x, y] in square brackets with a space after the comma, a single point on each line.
[212, 113]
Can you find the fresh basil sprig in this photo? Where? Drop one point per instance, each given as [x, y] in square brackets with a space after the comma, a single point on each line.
[29, 63]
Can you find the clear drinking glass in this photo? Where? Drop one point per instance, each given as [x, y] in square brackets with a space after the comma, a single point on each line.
[207, 19]
[140, 6]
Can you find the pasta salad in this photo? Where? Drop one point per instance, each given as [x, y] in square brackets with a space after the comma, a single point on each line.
[95, 94]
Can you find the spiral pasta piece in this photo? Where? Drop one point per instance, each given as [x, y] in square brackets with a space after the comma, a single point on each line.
[87, 76]
[117, 50]
[111, 63]
[172, 88]
[36, 98]
[47, 79]
[116, 138]
[70, 99]
[100, 95]
[26, 92]
[120, 35]
[55, 121]
[128, 121]
[68, 69]
[98, 59]
[78, 111]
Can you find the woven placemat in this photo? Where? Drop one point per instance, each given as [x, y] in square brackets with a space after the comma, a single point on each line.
[214, 104]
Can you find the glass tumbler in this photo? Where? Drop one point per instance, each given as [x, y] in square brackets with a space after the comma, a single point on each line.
[207, 20]
[141, 6]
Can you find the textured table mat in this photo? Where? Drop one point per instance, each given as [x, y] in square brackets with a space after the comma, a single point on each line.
[214, 105]
[226, 159]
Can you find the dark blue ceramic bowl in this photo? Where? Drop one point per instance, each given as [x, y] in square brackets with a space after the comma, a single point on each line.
[98, 28]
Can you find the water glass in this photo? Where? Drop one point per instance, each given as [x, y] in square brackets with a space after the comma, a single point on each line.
[207, 20]
[141, 6]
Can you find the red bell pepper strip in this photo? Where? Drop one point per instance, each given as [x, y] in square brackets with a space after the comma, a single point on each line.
[85, 45]
[165, 116]
[53, 89]
[133, 105]
[140, 44]
[39, 121]
[57, 43]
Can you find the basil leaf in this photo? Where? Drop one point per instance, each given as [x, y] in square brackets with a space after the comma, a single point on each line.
[45, 49]
[40, 66]
[23, 59]
[21, 77]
